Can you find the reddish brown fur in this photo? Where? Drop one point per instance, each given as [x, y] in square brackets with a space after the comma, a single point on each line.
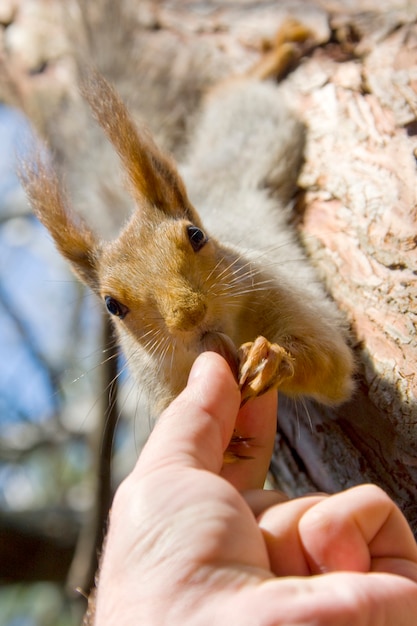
[152, 175]
[73, 238]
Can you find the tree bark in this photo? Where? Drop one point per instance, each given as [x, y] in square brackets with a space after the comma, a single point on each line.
[358, 223]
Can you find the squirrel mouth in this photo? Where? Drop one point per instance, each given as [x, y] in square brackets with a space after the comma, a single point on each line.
[215, 341]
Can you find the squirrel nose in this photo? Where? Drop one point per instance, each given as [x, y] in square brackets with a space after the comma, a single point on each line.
[186, 313]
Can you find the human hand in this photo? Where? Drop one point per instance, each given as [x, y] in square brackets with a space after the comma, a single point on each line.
[184, 547]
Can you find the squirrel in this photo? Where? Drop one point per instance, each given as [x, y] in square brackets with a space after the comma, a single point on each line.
[208, 259]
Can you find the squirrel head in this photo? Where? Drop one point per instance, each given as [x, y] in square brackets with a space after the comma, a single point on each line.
[159, 270]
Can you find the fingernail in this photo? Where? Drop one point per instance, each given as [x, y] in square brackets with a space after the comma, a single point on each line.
[201, 367]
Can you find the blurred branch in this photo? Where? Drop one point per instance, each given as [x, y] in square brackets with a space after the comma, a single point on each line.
[30, 344]
[37, 545]
[85, 563]
[33, 441]
[20, 211]
[11, 89]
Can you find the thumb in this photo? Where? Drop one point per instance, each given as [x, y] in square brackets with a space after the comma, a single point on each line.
[196, 428]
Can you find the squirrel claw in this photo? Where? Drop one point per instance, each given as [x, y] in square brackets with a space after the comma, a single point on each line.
[263, 366]
[238, 449]
[289, 43]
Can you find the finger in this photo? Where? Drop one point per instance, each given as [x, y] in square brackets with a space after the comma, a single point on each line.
[335, 599]
[399, 567]
[348, 530]
[196, 428]
[279, 526]
[257, 423]
[261, 499]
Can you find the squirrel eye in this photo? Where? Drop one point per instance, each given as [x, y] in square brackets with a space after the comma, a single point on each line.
[115, 308]
[197, 238]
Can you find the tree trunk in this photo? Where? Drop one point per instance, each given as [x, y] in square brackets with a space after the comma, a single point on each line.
[358, 223]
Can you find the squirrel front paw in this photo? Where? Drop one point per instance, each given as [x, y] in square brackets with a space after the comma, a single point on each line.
[280, 54]
[262, 366]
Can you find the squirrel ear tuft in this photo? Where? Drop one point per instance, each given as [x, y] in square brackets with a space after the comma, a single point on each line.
[152, 175]
[73, 238]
